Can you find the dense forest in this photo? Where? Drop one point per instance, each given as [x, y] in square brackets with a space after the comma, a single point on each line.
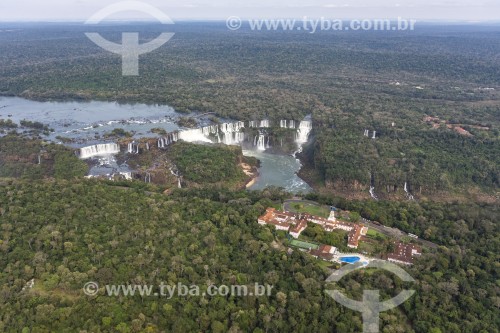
[386, 82]
[431, 96]
[204, 164]
[22, 157]
[63, 234]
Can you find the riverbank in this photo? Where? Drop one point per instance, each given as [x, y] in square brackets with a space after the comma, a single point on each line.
[251, 172]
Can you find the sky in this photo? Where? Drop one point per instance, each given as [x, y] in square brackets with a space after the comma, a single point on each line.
[423, 10]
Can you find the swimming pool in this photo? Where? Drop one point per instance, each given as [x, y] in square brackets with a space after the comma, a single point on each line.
[350, 260]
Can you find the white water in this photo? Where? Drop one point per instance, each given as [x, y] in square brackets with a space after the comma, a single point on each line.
[133, 148]
[176, 174]
[259, 124]
[287, 123]
[231, 133]
[194, 135]
[165, 141]
[374, 135]
[99, 150]
[303, 132]
[408, 194]
[261, 142]
[372, 192]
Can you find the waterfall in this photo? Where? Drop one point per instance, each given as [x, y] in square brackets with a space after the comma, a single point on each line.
[39, 159]
[259, 124]
[232, 134]
[147, 179]
[176, 174]
[374, 135]
[287, 123]
[147, 145]
[303, 132]
[367, 133]
[169, 139]
[261, 142]
[133, 148]
[372, 187]
[99, 150]
[127, 175]
[408, 194]
[193, 135]
[264, 124]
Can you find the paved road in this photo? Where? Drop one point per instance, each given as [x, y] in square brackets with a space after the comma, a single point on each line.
[388, 231]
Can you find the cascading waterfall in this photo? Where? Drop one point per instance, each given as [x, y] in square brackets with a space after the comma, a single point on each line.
[133, 148]
[408, 194]
[287, 123]
[176, 174]
[374, 135]
[231, 134]
[264, 124]
[261, 142]
[367, 133]
[372, 187]
[303, 132]
[194, 135]
[372, 193]
[99, 150]
[169, 139]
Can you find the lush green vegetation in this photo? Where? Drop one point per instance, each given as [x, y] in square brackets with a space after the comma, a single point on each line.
[206, 164]
[7, 124]
[304, 207]
[66, 233]
[348, 82]
[34, 159]
[79, 231]
[118, 133]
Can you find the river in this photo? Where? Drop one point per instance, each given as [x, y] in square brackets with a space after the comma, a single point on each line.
[87, 122]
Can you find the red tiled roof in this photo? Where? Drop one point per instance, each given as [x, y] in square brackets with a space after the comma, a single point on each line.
[405, 252]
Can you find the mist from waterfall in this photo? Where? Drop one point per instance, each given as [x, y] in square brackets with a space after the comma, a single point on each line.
[261, 142]
[99, 150]
[303, 132]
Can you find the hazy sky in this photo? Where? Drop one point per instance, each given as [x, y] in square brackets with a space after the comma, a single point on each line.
[71, 10]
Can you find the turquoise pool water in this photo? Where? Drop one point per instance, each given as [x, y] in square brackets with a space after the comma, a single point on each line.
[350, 260]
